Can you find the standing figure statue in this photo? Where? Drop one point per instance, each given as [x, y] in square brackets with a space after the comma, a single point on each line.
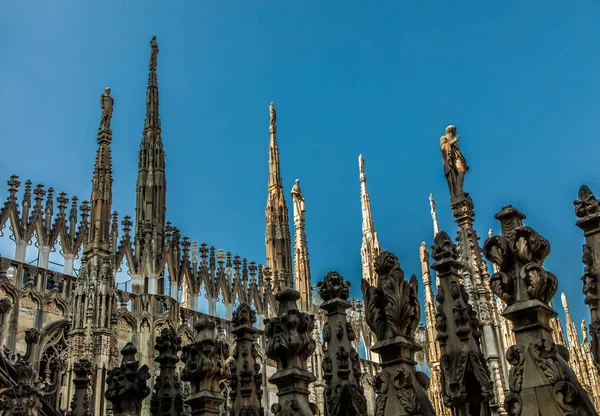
[299, 207]
[273, 114]
[455, 165]
[153, 52]
[106, 102]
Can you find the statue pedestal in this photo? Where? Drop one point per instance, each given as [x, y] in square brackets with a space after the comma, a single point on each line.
[205, 403]
[401, 390]
[292, 385]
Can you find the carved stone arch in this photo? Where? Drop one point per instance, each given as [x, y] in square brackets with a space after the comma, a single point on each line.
[11, 217]
[125, 320]
[8, 290]
[186, 334]
[30, 299]
[188, 287]
[52, 351]
[160, 324]
[55, 305]
[145, 326]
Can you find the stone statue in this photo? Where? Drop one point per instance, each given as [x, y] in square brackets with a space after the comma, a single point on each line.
[455, 165]
[584, 331]
[106, 102]
[153, 52]
[273, 114]
[298, 198]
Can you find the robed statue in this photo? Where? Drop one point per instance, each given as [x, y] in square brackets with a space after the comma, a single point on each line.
[273, 115]
[455, 165]
[153, 52]
[298, 199]
[106, 102]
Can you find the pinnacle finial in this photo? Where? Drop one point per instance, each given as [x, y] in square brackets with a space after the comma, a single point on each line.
[565, 304]
[361, 165]
[153, 52]
[107, 103]
[432, 205]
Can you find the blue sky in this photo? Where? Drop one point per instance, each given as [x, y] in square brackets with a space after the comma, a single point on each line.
[519, 79]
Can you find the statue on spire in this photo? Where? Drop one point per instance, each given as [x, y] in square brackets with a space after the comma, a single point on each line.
[106, 102]
[153, 52]
[455, 165]
[298, 198]
[273, 115]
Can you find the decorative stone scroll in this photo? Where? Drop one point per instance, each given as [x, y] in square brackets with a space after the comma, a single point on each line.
[392, 311]
[246, 378]
[344, 392]
[205, 368]
[540, 380]
[587, 209]
[466, 384]
[126, 384]
[166, 399]
[290, 344]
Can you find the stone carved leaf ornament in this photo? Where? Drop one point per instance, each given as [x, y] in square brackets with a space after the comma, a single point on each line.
[497, 250]
[515, 355]
[374, 308]
[406, 393]
[443, 248]
[381, 385]
[501, 285]
[529, 245]
[586, 203]
[541, 284]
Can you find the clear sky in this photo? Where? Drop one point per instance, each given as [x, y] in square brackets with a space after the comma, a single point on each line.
[519, 78]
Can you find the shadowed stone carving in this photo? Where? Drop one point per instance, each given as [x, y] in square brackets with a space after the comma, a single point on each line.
[344, 394]
[466, 384]
[107, 103]
[392, 311]
[289, 343]
[166, 398]
[587, 209]
[455, 165]
[80, 405]
[540, 381]
[126, 384]
[205, 368]
[246, 378]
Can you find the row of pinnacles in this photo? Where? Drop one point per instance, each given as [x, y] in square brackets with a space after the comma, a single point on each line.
[541, 382]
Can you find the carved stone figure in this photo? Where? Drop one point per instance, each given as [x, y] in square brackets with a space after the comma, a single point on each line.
[392, 311]
[153, 52]
[126, 384]
[205, 368]
[289, 343]
[106, 102]
[166, 398]
[246, 377]
[344, 393]
[298, 198]
[540, 380]
[455, 165]
[273, 116]
[466, 384]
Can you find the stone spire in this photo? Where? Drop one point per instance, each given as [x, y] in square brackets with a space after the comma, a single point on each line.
[431, 347]
[151, 189]
[370, 242]
[475, 276]
[302, 280]
[541, 381]
[92, 303]
[432, 205]
[344, 394]
[277, 238]
[392, 311]
[466, 383]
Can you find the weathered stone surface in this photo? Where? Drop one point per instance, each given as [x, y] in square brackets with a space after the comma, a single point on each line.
[205, 368]
[80, 405]
[541, 381]
[455, 165]
[126, 384]
[392, 311]
[166, 398]
[344, 393]
[246, 377]
[466, 384]
[289, 343]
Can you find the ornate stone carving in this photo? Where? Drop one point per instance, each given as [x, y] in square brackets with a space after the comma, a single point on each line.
[392, 311]
[246, 378]
[455, 166]
[290, 344]
[126, 384]
[205, 368]
[80, 404]
[344, 393]
[540, 379]
[587, 209]
[106, 102]
[466, 384]
[166, 398]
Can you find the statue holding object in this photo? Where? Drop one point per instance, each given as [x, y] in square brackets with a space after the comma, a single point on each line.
[455, 165]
